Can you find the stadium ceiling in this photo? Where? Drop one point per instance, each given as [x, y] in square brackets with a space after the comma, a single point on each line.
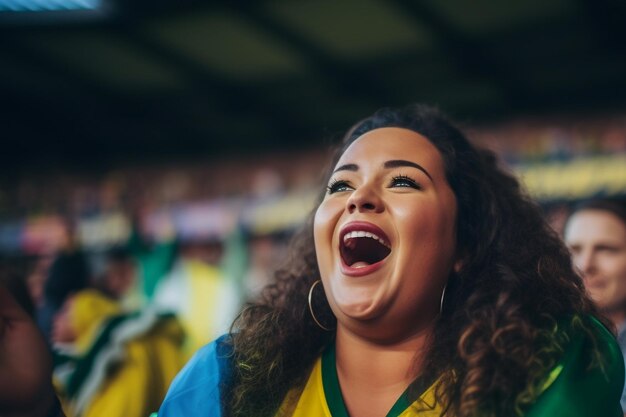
[101, 82]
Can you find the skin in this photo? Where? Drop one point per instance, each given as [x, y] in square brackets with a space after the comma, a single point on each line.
[119, 278]
[597, 241]
[62, 329]
[385, 317]
[25, 364]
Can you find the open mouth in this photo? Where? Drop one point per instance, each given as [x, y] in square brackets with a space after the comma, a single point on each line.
[360, 248]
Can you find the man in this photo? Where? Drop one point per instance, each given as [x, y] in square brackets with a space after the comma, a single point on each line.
[596, 235]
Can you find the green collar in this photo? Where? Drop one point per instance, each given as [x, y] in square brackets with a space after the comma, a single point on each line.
[332, 390]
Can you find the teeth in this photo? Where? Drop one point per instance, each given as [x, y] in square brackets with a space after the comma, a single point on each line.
[360, 233]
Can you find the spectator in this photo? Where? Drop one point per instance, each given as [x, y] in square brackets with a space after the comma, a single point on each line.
[110, 363]
[596, 235]
[116, 276]
[68, 273]
[199, 294]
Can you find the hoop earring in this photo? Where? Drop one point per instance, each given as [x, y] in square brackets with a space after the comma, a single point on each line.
[311, 308]
[443, 295]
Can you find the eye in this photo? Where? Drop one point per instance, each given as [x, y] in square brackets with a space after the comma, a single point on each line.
[337, 186]
[403, 181]
[608, 249]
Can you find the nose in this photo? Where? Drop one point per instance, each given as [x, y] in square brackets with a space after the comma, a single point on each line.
[585, 262]
[364, 199]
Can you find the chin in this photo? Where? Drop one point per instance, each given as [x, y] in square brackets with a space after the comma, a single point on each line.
[359, 298]
[359, 311]
[366, 307]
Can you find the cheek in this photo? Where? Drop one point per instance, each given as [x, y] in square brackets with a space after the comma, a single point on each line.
[320, 232]
[621, 264]
[324, 224]
[613, 267]
[428, 224]
[319, 226]
[619, 272]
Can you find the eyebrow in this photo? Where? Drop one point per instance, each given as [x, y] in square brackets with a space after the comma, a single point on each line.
[397, 163]
[394, 163]
[347, 167]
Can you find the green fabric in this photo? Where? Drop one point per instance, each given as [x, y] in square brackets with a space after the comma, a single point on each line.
[400, 406]
[235, 261]
[574, 388]
[84, 365]
[581, 391]
[332, 389]
[155, 260]
[330, 380]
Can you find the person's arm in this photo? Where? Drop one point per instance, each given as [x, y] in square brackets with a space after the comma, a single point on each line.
[25, 365]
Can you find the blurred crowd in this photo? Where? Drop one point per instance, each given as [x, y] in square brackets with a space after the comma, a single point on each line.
[127, 279]
[122, 321]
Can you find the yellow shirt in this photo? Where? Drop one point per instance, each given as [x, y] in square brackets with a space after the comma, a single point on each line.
[321, 393]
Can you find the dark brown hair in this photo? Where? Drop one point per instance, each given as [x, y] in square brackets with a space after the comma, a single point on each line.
[495, 339]
[613, 205]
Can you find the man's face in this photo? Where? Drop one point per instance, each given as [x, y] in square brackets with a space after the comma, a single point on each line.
[120, 276]
[597, 241]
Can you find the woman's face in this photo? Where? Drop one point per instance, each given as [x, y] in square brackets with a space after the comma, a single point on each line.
[385, 234]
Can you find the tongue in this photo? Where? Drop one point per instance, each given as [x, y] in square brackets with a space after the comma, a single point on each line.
[362, 251]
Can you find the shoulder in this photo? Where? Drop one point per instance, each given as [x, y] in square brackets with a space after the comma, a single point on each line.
[597, 353]
[589, 377]
[609, 348]
[196, 389]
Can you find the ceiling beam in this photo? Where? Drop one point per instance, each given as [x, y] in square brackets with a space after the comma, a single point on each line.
[342, 77]
[230, 96]
[88, 100]
[469, 56]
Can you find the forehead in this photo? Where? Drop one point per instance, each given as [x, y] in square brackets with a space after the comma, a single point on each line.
[593, 225]
[392, 143]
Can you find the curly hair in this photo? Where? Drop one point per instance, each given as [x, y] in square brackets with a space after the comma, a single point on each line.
[496, 337]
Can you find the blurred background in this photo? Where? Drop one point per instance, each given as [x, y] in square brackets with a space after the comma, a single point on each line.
[191, 113]
[165, 140]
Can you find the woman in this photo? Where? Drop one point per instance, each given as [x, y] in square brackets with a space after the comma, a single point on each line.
[426, 284]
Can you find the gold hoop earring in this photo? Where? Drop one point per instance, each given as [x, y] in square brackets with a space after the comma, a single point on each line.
[311, 308]
[443, 295]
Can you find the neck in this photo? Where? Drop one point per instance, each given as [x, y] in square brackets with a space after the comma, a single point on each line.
[374, 375]
[617, 317]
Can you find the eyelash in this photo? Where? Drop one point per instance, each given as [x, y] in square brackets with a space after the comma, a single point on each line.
[406, 179]
[338, 185]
